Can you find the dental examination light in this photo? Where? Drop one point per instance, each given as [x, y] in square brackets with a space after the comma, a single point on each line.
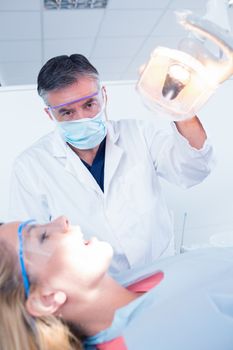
[178, 82]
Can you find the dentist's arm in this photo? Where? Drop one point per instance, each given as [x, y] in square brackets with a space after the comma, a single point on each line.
[193, 131]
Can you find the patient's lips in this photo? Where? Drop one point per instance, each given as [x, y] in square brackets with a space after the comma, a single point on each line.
[90, 241]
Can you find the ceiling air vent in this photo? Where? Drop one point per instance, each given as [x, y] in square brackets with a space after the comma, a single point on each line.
[74, 4]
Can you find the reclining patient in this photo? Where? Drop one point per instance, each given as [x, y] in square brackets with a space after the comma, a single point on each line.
[178, 303]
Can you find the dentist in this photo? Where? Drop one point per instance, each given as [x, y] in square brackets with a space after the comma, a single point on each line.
[104, 175]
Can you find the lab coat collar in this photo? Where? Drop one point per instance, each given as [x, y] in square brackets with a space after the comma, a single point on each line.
[59, 147]
[72, 162]
[113, 154]
[113, 133]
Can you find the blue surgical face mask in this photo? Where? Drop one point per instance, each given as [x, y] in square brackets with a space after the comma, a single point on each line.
[85, 133]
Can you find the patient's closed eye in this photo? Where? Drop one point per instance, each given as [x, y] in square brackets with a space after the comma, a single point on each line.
[43, 236]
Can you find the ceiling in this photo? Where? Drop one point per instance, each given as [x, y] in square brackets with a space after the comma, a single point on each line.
[117, 39]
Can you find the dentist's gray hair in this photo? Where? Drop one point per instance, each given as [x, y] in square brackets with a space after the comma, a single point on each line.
[62, 71]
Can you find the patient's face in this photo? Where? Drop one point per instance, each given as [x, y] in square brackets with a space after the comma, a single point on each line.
[57, 254]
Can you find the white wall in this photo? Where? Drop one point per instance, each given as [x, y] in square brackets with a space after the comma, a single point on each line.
[209, 206]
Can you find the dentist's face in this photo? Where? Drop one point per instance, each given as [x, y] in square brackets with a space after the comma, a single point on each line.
[57, 254]
[83, 99]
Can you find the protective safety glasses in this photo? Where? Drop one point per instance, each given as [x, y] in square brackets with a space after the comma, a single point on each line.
[84, 107]
[51, 108]
[26, 282]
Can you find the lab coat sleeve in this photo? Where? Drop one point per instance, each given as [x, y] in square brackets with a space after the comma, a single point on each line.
[175, 159]
[24, 199]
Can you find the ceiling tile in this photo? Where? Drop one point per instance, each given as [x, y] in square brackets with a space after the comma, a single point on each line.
[153, 41]
[168, 26]
[22, 5]
[71, 24]
[132, 70]
[128, 75]
[191, 4]
[15, 73]
[230, 17]
[110, 65]
[129, 22]
[58, 47]
[119, 38]
[143, 55]
[137, 4]
[110, 76]
[117, 47]
[12, 51]
[174, 28]
[19, 25]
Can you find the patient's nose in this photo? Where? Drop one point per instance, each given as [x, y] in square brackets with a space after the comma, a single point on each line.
[62, 222]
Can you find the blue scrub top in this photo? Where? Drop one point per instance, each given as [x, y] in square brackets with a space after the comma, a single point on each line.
[97, 167]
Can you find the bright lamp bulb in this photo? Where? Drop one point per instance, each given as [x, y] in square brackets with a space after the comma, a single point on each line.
[177, 78]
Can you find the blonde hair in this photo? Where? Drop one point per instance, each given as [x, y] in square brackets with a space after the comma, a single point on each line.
[19, 330]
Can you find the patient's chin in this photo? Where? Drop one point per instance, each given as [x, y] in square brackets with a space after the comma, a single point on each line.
[107, 249]
[105, 254]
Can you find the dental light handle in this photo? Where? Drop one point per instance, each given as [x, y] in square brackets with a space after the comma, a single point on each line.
[222, 68]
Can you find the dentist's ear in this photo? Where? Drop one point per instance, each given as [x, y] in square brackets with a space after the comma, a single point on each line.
[105, 94]
[49, 114]
[44, 303]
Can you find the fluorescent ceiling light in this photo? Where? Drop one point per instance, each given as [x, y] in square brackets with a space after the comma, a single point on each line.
[74, 4]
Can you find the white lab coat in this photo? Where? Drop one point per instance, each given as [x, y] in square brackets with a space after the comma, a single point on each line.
[49, 180]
